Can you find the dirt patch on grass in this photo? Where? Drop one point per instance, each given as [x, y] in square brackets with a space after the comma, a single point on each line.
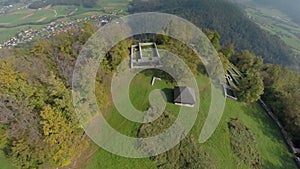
[27, 16]
[90, 13]
[22, 12]
[42, 19]
[48, 7]
[83, 160]
[116, 4]
[4, 24]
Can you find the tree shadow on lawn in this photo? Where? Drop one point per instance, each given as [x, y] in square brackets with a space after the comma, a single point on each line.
[271, 130]
[158, 73]
[282, 162]
[269, 127]
[168, 94]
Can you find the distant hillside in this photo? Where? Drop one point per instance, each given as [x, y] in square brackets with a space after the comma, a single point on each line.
[230, 21]
[85, 3]
[289, 7]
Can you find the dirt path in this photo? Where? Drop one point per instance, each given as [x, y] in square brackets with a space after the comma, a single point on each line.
[27, 16]
[83, 160]
[42, 19]
[55, 12]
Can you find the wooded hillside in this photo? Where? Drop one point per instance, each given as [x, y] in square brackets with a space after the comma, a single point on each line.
[229, 21]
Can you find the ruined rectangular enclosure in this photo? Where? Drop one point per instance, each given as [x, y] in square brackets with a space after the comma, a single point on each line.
[145, 55]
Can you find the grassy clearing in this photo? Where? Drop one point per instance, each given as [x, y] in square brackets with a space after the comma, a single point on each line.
[270, 144]
[106, 160]
[5, 164]
[140, 90]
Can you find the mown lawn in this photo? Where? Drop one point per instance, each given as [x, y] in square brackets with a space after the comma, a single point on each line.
[4, 163]
[270, 143]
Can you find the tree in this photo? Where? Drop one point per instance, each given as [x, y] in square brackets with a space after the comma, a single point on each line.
[244, 145]
[41, 48]
[225, 61]
[250, 88]
[228, 50]
[61, 138]
[116, 55]
[4, 140]
[20, 119]
[26, 155]
[186, 155]
[247, 62]
[282, 95]
[214, 38]
[86, 32]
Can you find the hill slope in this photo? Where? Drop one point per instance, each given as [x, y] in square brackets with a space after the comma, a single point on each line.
[230, 21]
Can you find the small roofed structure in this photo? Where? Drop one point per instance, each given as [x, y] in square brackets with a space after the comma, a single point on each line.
[184, 96]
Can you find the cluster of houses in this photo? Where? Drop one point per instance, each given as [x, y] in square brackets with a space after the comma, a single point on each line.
[4, 9]
[50, 30]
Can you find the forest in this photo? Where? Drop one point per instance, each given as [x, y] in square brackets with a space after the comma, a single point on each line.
[37, 119]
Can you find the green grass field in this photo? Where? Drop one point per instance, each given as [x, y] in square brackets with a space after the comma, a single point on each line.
[27, 16]
[4, 163]
[271, 146]
[121, 4]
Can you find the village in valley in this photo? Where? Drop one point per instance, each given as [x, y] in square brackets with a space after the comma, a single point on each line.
[33, 25]
[52, 29]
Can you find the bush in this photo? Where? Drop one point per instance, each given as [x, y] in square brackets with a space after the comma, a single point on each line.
[186, 155]
[244, 145]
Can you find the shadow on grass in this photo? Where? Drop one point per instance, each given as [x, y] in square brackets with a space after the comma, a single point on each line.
[158, 73]
[271, 130]
[168, 95]
[269, 127]
[283, 163]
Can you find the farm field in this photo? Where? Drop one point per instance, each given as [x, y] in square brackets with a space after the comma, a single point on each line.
[120, 4]
[271, 146]
[278, 24]
[28, 16]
